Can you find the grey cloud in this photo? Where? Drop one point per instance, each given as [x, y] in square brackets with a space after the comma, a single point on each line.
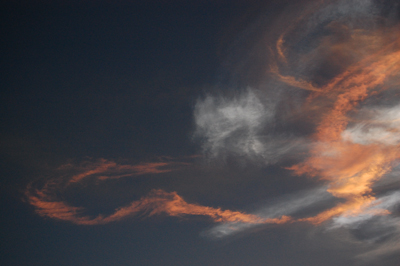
[344, 9]
[391, 245]
[232, 124]
[381, 233]
[388, 202]
[390, 180]
[380, 125]
[241, 126]
[287, 205]
[291, 204]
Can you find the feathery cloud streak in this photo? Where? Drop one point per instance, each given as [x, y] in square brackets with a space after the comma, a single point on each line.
[158, 201]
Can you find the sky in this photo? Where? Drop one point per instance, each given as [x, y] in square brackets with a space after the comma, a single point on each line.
[200, 132]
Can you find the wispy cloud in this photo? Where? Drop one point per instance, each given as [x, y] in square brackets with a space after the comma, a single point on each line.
[285, 206]
[340, 57]
[375, 125]
[105, 169]
[48, 204]
[156, 202]
[241, 125]
[344, 55]
[388, 202]
[232, 125]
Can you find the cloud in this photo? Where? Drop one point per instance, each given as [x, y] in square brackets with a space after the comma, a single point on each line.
[156, 202]
[349, 159]
[105, 169]
[388, 202]
[285, 206]
[340, 54]
[381, 233]
[241, 126]
[333, 60]
[232, 125]
[380, 125]
[47, 203]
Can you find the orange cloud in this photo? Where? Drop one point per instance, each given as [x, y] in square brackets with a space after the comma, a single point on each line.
[47, 204]
[156, 202]
[351, 168]
[104, 169]
[292, 81]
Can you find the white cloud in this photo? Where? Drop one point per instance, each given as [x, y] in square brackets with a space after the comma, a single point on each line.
[388, 202]
[383, 126]
[232, 124]
[240, 126]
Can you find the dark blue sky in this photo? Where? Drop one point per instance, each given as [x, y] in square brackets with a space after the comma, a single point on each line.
[115, 91]
[105, 80]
